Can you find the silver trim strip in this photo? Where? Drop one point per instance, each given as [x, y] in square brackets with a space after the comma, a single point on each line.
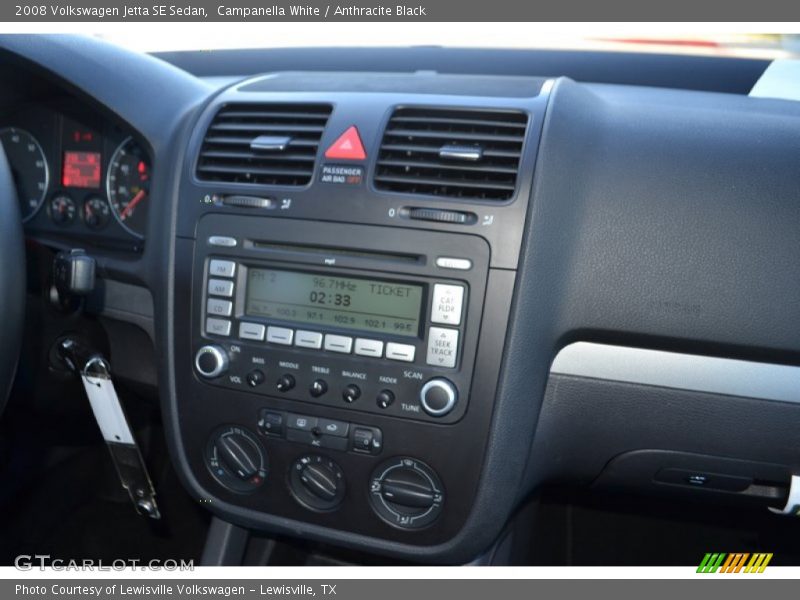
[765, 381]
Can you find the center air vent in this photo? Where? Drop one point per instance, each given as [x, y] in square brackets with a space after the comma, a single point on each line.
[470, 154]
[267, 144]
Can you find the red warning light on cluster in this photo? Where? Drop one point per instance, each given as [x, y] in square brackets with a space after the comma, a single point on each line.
[81, 170]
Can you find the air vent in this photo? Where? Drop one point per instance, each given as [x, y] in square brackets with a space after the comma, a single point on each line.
[470, 154]
[266, 144]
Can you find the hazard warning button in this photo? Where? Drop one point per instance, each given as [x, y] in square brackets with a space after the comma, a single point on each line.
[347, 147]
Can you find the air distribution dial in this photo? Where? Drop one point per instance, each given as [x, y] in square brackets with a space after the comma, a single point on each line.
[406, 493]
[317, 482]
[236, 459]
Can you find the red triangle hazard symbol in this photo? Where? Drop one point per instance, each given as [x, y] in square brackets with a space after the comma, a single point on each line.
[348, 146]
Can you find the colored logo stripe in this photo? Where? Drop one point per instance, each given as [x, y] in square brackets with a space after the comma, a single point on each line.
[734, 562]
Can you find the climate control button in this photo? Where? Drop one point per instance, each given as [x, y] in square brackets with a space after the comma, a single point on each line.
[438, 397]
[211, 361]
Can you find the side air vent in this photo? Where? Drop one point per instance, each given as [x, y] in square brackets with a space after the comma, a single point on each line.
[470, 154]
[267, 144]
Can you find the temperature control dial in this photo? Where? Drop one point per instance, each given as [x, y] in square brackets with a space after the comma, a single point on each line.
[236, 459]
[406, 493]
[317, 482]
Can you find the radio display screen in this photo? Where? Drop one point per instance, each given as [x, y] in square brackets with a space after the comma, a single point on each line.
[363, 304]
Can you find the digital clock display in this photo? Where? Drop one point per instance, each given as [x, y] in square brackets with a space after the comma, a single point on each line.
[363, 304]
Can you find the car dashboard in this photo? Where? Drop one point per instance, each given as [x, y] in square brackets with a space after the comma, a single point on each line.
[386, 307]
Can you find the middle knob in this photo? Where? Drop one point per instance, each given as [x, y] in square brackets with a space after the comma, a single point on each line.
[285, 383]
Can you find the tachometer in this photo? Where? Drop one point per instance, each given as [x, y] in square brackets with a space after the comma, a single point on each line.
[128, 186]
[28, 167]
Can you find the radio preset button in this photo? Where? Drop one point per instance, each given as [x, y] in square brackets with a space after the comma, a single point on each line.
[220, 287]
[280, 335]
[318, 388]
[403, 352]
[351, 393]
[442, 347]
[338, 343]
[372, 348]
[222, 241]
[222, 308]
[447, 303]
[218, 327]
[222, 268]
[252, 331]
[308, 339]
[285, 383]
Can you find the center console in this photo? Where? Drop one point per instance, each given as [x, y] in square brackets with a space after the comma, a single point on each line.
[339, 334]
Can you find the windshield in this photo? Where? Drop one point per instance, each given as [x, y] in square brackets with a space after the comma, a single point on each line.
[620, 37]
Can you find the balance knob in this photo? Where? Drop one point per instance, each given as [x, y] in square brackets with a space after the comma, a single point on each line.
[211, 361]
[438, 397]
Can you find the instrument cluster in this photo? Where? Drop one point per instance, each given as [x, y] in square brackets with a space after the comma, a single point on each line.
[77, 174]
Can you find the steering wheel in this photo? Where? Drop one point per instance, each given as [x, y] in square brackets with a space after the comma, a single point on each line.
[12, 279]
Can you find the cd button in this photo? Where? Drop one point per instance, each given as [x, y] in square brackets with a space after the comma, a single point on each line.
[222, 268]
[222, 308]
[280, 335]
[338, 343]
[404, 352]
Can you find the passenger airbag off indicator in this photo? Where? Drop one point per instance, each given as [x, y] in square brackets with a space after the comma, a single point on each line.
[342, 174]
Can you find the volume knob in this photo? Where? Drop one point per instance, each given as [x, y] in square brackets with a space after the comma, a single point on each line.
[438, 397]
[211, 361]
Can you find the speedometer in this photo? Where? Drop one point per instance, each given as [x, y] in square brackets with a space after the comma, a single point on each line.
[128, 186]
[28, 167]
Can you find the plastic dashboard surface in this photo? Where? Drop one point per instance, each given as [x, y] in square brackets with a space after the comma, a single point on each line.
[659, 219]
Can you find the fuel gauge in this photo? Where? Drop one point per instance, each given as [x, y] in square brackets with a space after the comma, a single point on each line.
[96, 212]
[62, 209]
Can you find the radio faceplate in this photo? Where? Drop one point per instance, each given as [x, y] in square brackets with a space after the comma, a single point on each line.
[410, 357]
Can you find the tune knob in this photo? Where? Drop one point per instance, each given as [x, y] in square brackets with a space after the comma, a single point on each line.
[317, 482]
[438, 396]
[211, 361]
[406, 493]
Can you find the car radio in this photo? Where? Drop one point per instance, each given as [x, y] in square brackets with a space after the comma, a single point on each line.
[389, 329]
